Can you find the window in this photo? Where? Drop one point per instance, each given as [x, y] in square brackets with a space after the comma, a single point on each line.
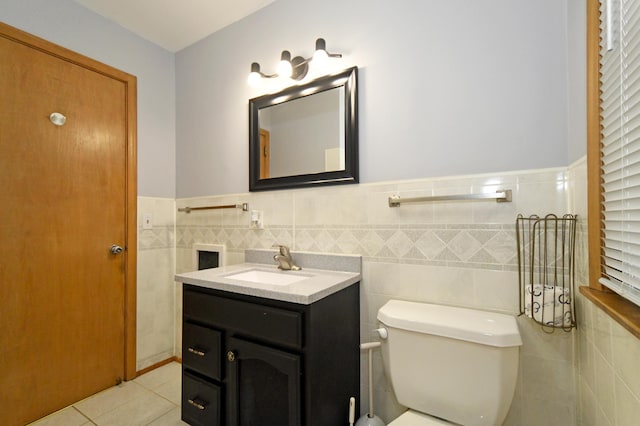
[614, 148]
[620, 146]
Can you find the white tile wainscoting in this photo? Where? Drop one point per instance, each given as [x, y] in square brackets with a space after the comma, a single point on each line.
[459, 253]
[607, 373]
[156, 322]
[454, 253]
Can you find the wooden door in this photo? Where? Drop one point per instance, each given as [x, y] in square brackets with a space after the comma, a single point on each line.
[265, 154]
[65, 199]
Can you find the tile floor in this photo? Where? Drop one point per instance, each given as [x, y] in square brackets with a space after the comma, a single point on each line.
[151, 399]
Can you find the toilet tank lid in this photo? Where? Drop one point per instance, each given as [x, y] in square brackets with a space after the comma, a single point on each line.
[487, 328]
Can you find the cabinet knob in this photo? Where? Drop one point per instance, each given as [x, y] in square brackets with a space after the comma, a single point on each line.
[231, 356]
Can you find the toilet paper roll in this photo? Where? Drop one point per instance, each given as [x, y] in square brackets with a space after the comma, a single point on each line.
[548, 304]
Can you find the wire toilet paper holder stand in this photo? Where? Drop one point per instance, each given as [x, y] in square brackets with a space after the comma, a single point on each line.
[546, 270]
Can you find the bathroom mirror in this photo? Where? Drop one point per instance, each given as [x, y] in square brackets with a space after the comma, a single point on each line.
[305, 135]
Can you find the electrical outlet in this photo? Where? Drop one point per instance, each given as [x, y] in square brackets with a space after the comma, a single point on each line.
[256, 220]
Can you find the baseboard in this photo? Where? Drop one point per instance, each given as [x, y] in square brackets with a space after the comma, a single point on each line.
[158, 365]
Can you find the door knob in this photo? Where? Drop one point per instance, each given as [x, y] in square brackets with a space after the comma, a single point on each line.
[115, 249]
[231, 356]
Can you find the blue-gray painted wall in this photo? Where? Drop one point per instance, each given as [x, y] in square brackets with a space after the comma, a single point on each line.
[446, 88]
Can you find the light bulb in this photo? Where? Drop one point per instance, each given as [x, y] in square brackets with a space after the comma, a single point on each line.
[320, 57]
[284, 68]
[255, 77]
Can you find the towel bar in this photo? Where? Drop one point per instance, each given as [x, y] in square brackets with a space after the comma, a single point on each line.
[243, 206]
[502, 196]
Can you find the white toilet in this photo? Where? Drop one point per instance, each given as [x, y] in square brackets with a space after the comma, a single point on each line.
[449, 365]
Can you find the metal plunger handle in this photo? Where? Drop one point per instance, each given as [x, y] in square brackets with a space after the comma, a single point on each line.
[370, 347]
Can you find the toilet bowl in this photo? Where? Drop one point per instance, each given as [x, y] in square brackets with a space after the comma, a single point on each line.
[449, 365]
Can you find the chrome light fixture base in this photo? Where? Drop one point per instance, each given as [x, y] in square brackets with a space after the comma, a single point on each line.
[300, 67]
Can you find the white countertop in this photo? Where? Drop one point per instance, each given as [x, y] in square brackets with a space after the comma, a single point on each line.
[319, 284]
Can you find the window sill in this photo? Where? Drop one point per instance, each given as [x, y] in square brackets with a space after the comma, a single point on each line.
[621, 310]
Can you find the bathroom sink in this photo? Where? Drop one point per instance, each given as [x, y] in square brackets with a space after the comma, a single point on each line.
[259, 276]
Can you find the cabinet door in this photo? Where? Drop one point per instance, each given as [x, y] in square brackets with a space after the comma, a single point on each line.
[263, 385]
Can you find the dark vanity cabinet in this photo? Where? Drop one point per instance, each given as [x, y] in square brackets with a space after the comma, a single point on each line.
[252, 361]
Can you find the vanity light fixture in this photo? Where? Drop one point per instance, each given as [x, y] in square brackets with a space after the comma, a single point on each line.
[295, 68]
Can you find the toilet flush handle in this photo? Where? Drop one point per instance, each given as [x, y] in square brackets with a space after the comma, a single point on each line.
[382, 332]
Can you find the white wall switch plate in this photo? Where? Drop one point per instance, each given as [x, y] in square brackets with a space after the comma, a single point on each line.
[147, 221]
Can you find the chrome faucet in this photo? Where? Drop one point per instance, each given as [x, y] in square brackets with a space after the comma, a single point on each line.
[285, 262]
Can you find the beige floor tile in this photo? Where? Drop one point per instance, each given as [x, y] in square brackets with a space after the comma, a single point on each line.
[110, 399]
[66, 417]
[172, 418]
[151, 398]
[171, 390]
[139, 411]
[158, 377]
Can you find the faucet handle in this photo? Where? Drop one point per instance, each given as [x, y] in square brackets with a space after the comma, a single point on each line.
[284, 250]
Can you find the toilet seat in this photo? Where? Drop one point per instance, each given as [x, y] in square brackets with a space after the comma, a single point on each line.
[413, 418]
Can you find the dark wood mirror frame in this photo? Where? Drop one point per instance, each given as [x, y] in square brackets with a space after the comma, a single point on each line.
[346, 78]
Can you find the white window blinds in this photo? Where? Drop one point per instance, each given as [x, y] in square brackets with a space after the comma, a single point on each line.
[620, 149]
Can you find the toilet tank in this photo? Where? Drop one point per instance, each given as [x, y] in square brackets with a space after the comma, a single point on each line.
[454, 363]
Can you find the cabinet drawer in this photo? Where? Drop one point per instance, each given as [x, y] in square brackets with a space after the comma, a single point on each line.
[251, 319]
[201, 349]
[200, 402]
